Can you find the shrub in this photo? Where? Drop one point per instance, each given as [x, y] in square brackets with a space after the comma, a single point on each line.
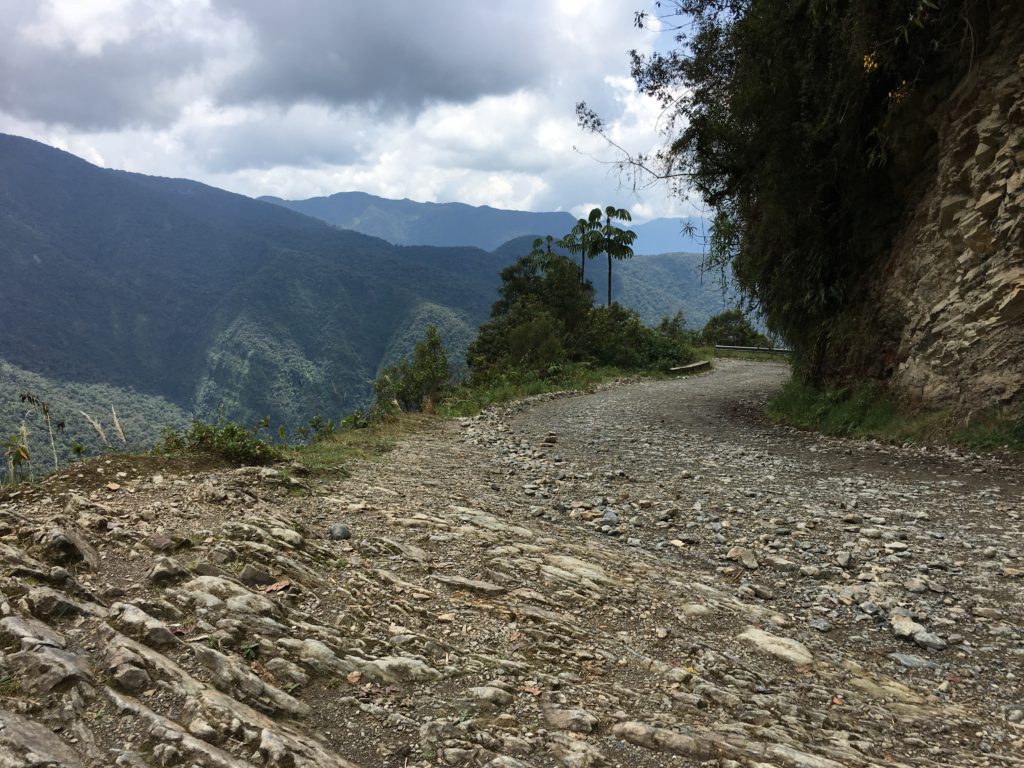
[545, 321]
[224, 440]
[417, 384]
[732, 328]
[526, 338]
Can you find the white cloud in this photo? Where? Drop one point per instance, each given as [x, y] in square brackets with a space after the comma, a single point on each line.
[432, 102]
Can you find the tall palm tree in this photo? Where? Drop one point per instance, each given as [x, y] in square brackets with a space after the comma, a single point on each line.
[584, 239]
[613, 241]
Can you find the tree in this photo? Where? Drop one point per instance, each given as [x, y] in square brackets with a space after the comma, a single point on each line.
[803, 126]
[550, 281]
[541, 314]
[419, 383]
[732, 328]
[545, 319]
[613, 241]
[583, 239]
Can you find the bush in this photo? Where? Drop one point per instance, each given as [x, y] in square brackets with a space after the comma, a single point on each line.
[806, 128]
[417, 384]
[617, 337]
[526, 338]
[733, 329]
[224, 440]
[545, 322]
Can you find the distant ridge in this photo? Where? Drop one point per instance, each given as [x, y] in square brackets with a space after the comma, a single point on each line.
[406, 222]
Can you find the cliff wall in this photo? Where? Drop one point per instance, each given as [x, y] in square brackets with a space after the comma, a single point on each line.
[954, 283]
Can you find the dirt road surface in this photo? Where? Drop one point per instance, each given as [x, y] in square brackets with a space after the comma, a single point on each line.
[648, 575]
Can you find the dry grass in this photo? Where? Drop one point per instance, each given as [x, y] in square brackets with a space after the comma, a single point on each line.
[98, 427]
[117, 426]
[369, 443]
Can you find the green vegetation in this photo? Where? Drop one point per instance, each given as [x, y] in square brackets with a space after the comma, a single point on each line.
[731, 328]
[73, 409]
[659, 286]
[804, 126]
[170, 300]
[415, 384]
[223, 441]
[590, 238]
[507, 386]
[544, 335]
[544, 321]
[370, 440]
[869, 410]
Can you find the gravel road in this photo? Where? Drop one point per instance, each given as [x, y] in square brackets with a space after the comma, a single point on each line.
[648, 575]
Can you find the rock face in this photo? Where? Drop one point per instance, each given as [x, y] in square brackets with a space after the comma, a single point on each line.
[762, 598]
[955, 281]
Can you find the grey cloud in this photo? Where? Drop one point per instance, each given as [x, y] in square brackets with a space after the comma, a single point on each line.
[273, 139]
[395, 57]
[128, 84]
[398, 55]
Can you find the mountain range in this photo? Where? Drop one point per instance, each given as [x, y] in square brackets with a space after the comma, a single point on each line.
[406, 222]
[167, 298]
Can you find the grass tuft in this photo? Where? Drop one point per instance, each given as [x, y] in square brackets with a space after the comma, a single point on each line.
[871, 411]
[367, 442]
[505, 387]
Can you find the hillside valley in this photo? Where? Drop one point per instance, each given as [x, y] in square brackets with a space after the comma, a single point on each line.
[202, 302]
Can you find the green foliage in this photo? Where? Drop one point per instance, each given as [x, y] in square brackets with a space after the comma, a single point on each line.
[542, 312]
[369, 439]
[616, 337]
[866, 410]
[508, 384]
[582, 239]
[674, 326]
[320, 428]
[416, 384]
[732, 328]
[590, 238]
[803, 124]
[870, 410]
[545, 320]
[222, 440]
[613, 241]
[141, 416]
[996, 429]
[170, 300]
[355, 420]
[456, 327]
[659, 286]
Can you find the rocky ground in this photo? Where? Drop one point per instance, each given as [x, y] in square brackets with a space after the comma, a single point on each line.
[645, 576]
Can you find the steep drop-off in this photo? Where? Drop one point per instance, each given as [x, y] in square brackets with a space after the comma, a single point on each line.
[212, 301]
[194, 300]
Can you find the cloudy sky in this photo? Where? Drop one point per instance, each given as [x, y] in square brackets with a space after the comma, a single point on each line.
[439, 100]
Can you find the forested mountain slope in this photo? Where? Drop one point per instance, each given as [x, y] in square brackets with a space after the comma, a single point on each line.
[211, 303]
[208, 299]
